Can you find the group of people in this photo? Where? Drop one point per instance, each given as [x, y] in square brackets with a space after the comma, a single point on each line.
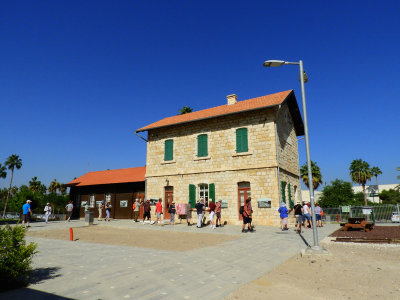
[107, 208]
[302, 214]
[214, 211]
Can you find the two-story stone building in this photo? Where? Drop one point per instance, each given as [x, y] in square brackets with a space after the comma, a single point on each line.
[228, 152]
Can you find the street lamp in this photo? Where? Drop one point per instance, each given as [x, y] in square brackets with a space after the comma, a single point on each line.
[303, 79]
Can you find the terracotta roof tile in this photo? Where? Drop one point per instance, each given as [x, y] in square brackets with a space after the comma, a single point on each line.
[240, 106]
[110, 176]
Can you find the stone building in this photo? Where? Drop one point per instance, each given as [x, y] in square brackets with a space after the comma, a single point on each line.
[240, 149]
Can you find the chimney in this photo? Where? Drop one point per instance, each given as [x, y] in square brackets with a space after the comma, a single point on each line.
[232, 99]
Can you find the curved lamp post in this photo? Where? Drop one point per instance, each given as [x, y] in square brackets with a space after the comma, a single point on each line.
[303, 79]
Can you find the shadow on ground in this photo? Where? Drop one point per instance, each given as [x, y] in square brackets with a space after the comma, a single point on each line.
[31, 294]
[41, 274]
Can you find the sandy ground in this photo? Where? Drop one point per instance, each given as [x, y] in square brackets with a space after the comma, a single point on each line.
[154, 239]
[351, 271]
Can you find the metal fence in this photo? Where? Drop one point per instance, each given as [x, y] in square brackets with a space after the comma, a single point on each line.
[378, 214]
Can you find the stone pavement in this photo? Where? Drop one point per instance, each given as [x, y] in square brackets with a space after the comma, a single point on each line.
[78, 270]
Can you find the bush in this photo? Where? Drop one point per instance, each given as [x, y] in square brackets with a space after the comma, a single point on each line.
[15, 257]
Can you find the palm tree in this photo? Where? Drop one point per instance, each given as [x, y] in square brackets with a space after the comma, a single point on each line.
[63, 189]
[185, 110]
[34, 184]
[375, 171]
[360, 173]
[316, 174]
[54, 186]
[13, 162]
[3, 173]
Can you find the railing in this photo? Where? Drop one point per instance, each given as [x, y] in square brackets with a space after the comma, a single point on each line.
[377, 214]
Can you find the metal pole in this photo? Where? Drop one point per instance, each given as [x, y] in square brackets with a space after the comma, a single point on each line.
[310, 178]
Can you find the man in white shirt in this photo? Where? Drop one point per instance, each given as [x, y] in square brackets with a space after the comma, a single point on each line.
[47, 212]
[69, 207]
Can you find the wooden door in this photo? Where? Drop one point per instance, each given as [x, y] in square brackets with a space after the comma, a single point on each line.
[243, 193]
[169, 197]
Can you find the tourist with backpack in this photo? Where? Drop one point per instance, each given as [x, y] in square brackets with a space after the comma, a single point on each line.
[247, 215]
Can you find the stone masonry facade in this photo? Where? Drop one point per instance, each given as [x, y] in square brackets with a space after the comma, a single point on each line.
[223, 166]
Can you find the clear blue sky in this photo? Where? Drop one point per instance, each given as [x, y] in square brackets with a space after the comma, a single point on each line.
[78, 77]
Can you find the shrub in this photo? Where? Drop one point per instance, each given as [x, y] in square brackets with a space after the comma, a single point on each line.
[15, 257]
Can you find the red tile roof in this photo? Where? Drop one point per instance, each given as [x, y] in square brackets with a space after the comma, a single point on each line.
[110, 176]
[240, 106]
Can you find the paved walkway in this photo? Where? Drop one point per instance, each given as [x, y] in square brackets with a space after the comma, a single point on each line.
[81, 270]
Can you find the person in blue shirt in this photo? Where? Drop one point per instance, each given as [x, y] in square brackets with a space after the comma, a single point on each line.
[26, 212]
[284, 216]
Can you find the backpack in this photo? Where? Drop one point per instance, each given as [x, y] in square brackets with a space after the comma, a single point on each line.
[134, 206]
[241, 210]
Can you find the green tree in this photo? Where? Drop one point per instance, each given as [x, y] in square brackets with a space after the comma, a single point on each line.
[390, 196]
[316, 174]
[13, 162]
[185, 110]
[63, 189]
[34, 184]
[336, 194]
[360, 173]
[54, 186]
[3, 173]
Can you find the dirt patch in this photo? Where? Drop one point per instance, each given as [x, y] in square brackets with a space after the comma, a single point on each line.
[377, 233]
[352, 271]
[154, 239]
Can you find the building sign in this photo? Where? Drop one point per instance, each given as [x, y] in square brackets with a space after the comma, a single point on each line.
[123, 203]
[346, 209]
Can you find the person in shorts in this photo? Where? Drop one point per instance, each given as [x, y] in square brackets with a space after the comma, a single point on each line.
[69, 207]
[218, 213]
[247, 216]
[298, 213]
[136, 208]
[146, 211]
[211, 207]
[159, 211]
[283, 211]
[318, 215]
[26, 213]
[307, 215]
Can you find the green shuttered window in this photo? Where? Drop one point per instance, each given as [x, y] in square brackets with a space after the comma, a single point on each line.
[169, 150]
[202, 145]
[211, 192]
[283, 190]
[241, 140]
[192, 195]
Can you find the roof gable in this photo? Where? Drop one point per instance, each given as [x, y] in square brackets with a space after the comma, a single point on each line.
[241, 106]
[110, 176]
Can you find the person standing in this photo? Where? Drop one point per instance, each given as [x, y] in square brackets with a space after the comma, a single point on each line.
[211, 207]
[307, 215]
[108, 211]
[218, 213]
[26, 213]
[247, 215]
[318, 215]
[189, 215]
[200, 211]
[298, 213]
[146, 211]
[47, 212]
[159, 211]
[283, 211]
[172, 211]
[101, 207]
[136, 208]
[69, 207]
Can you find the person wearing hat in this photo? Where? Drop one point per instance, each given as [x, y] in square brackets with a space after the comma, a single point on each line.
[26, 212]
[172, 211]
[283, 211]
[47, 212]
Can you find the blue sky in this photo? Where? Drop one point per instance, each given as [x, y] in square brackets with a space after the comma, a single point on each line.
[78, 77]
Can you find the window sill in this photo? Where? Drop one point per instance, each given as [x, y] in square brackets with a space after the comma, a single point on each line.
[202, 158]
[242, 153]
[167, 162]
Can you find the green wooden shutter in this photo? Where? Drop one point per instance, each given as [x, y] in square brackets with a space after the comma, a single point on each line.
[211, 192]
[241, 140]
[202, 145]
[169, 150]
[192, 195]
[283, 186]
[291, 203]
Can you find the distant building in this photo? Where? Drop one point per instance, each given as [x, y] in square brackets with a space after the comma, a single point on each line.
[119, 186]
[230, 152]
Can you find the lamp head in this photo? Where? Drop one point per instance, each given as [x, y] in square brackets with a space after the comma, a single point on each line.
[273, 63]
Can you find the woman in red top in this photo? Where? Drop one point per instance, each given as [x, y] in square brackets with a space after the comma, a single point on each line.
[159, 211]
[247, 212]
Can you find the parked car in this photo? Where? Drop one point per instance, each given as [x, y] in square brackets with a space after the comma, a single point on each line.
[395, 217]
